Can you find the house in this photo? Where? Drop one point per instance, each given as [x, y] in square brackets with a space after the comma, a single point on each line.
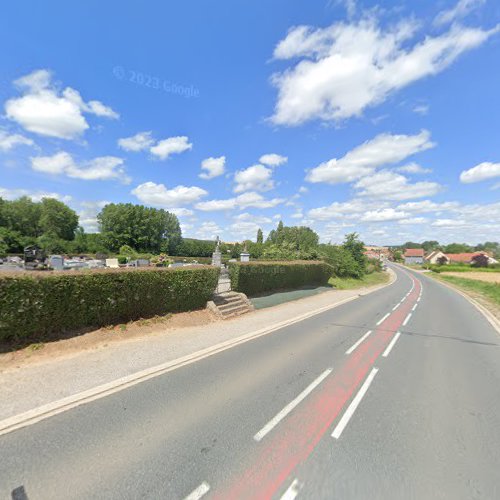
[466, 258]
[414, 256]
[436, 257]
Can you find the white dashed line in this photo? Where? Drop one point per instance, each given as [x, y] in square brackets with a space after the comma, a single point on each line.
[405, 322]
[381, 320]
[414, 307]
[391, 345]
[199, 492]
[292, 491]
[358, 342]
[290, 406]
[354, 404]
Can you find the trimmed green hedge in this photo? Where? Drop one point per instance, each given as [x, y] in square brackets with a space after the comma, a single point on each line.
[255, 277]
[36, 305]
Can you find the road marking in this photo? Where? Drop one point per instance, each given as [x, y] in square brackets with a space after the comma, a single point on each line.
[414, 307]
[199, 492]
[290, 406]
[391, 345]
[354, 404]
[396, 306]
[358, 342]
[292, 491]
[405, 322]
[381, 320]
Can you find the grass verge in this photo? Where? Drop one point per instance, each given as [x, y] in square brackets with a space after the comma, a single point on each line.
[376, 278]
[489, 291]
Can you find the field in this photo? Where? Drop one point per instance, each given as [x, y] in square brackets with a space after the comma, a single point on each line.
[474, 275]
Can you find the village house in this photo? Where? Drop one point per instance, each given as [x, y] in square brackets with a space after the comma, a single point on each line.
[414, 256]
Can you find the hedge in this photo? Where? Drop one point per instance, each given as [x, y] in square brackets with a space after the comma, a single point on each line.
[256, 277]
[35, 305]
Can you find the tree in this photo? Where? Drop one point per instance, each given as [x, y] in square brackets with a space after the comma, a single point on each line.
[480, 260]
[23, 215]
[411, 244]
[343, 263]
[428, 246]
[397, 256]
[298, 238]
[142, 228]
[457, 248]
[57, 219]
[260, 236]
[356, 248]
[442, 260]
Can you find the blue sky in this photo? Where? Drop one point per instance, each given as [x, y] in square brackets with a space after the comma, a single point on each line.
[381, 118]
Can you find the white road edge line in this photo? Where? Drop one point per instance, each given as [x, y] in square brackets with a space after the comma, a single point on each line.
[292, 491]
[405, 322]
[290, 406]
[199, 492]
[391, 345]
[354, 404]
[358, 342]
[396, 306]
[381, 320]
[414, 307]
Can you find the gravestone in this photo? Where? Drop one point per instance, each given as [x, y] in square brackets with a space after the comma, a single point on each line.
[113, 263]
[56, 262]
[217, 256]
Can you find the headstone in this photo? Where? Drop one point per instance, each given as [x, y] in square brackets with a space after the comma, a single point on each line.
[56, 262]
[113, 263]
[245, 257]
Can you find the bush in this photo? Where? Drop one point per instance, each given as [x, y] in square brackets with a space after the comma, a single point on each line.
[252, 278]
[37, 305]
[343, 263]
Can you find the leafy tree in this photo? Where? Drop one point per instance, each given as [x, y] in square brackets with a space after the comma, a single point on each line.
[480, 260]
[51, 243]
[343, 263]
[142, 228]
[457, 248]
[356, 248]
[428, 246]
[442, 260]
[299, 238]
[191, 247]
[411, 244]
[57, 219]
[260, 236]
[23, 215]
[397, 255]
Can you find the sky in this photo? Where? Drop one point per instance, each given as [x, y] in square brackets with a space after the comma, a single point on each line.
[342, 115]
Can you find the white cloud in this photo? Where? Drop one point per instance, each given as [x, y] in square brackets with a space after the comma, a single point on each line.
[181, 212]
[9, 141]
[414, 168]
[88, 215]
[273, 159]
[254, 178]
[213, 167]
[384, 215]
[173, 145]
[448, 223]
[44, 110]
[12, 194]
[257, 219]
[480, 172]
[345, 210]
[413, 220]
[158, 195]
[346, 68]
[384, 149]
[460, 10]
[392, 186]
[245, 200]
[427, 206]
[100, 168]
[421, 109]
[138, 142]
[207, 230]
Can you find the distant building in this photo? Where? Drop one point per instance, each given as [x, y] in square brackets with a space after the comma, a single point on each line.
[414, 256]
[437, 257]
[466, 258]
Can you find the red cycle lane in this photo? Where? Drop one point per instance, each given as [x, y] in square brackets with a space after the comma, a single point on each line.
[294, 440]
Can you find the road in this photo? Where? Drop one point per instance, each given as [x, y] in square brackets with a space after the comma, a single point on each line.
[318, 409]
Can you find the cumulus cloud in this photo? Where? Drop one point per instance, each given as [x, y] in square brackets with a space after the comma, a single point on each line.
[138, 142]
[273, 159]
[384, 215]
[173, 145]
[100, 168]
[391, 186]
[254, 178]
[10, 141]
[213, 167]
[257, 219]
[481, 172]
[414, 168]
[12, 194]
[344, 210]
[461, 9]
[347, 67]
[245, 200]
[44, 110]
[384, 149]
[159, 196]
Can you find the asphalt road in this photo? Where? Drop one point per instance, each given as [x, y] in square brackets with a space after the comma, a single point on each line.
[319, 409]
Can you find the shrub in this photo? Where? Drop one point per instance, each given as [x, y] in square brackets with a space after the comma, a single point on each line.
[255, 277]
[37, 305]
[343, 263]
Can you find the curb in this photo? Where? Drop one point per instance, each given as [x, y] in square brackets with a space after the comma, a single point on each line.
[48, 410]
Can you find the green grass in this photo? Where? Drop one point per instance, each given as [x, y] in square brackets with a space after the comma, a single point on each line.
[450, 268]
[490, 291]
[376, 278]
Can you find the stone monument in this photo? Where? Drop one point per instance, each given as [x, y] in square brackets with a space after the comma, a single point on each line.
[245, 256]
[217, 256]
